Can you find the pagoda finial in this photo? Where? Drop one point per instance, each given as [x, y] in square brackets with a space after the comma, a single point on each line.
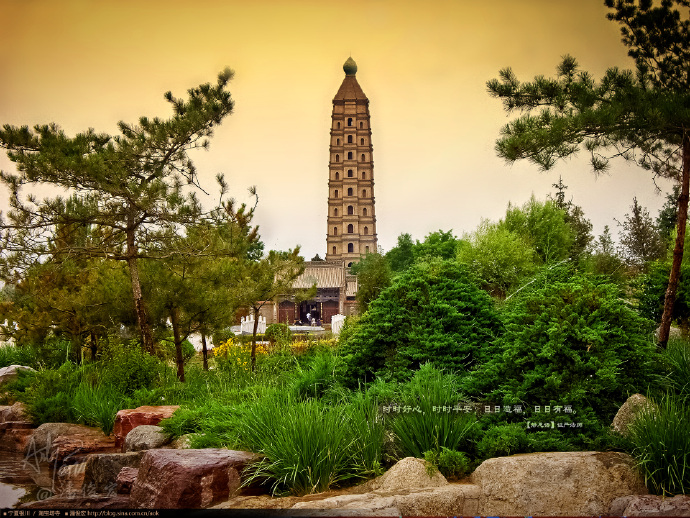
[350, 67]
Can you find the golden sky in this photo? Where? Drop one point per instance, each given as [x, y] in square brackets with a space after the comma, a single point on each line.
[422, 63]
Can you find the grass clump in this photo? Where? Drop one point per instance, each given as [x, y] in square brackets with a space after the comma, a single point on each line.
[661, 438]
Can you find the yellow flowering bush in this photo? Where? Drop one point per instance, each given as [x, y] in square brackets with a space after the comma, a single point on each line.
[233, 354]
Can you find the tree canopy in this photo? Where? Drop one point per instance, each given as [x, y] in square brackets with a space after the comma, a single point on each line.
[642, 116]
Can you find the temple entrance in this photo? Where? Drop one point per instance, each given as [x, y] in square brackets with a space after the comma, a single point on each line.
[309, 310]
[286, 312]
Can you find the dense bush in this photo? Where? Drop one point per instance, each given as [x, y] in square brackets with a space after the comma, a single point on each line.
[278, 334]
[452, 464]
[569, 340]
[129, 368]
[651, 292]
[433, 312]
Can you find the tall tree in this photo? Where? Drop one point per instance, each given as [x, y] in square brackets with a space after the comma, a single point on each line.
[131, 184]
[640, 238]
[373, 276]
[643, 117]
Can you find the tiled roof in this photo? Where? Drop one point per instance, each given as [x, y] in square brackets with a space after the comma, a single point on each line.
[350, 90]
[325, 275]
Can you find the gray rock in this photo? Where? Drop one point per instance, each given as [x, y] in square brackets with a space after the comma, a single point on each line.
[555, 484]
[10, 373]
[146, 437]
[101, 471]
[651, 505]
[628, 412]
[409, 473]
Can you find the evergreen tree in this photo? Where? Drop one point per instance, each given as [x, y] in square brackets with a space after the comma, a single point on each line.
[643, 116]
[131, 185]
[373, 276]
[640, 239]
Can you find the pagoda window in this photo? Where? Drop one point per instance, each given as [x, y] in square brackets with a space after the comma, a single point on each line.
[337, 175]
[335, 211]
[349, 191]
[338, 125]
[364, 175]
[337, 142]
[335, 195]
[349, 139]
[337, 158]
[350, 210]
[335, 231]
[366, 231]
[361, 142]
[334, 250]
[363, 158]
[350, 247]
[350, 228]
[366, 249]
[349, 121]
[364, 211]
[349, 155]
[364, 193]
[349, 173]
[361, 125]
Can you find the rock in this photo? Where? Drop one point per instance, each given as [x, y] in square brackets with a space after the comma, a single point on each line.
[11, 372]
[102, 470]
[81, 502]
[16, 428]
[66, 443]
[448, 500]
[555, 484]
[182, 442]
[409, 473]
[176, 479]
[125, 480]
[126, 420]
[14, 413]
[627, 413]
[70, 478]
[146, 437]
[651, 505]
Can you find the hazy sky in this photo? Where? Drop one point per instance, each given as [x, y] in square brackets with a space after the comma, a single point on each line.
[422, 64]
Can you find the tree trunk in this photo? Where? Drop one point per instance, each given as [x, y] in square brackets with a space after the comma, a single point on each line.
[204, 350]
[681, 222]
[256, 327]
[94, 346]
[139, 307]
[178, 343]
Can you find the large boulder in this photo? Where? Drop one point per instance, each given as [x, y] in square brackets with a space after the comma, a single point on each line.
[146, 437]
[555, 484]
[101, 471]
[411, 487]
[125, 480]
[177, 479]
[11, 372]
[650, 505]
[628, 412]
[66, 443]
[16, 428]
[128, 419]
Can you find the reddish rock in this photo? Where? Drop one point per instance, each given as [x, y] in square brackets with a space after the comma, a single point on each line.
[15, 428]
[126, 420]
[178, 479]
[70, 478]
[58, 443]
[125, 480]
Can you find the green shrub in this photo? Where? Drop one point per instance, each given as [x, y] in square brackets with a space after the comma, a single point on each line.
[49, 394]
[452, 464]
[278, 334]
[433, 312]
[170, 353]
[129, 368]
[661, 438]
[676, 359]
[26, 355]
[569, 339]
[318, 378]
[503, 440]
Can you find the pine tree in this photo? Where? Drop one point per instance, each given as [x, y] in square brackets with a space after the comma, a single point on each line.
[640, 238]
[642, 116]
